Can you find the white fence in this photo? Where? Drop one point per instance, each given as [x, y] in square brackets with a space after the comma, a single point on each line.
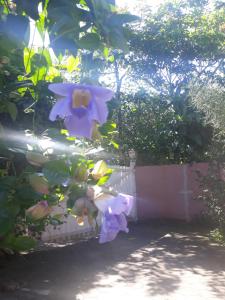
[122, 180]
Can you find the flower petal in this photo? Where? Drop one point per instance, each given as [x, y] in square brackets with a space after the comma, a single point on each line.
[79, 126]
[62, 89]
[121, 203]
[101, 93]
[98, 112]
[61, 108]
[111, 225]
[102, 112]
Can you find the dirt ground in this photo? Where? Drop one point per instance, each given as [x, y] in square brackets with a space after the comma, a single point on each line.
[153, 261]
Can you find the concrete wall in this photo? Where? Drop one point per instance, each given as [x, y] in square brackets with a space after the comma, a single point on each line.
[168, 191]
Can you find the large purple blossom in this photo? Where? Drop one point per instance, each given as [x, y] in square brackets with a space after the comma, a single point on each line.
[116, 205]
[111, 225]
[114, 220]
[81, 107]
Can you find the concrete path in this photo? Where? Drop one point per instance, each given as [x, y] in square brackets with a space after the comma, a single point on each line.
[152, 262]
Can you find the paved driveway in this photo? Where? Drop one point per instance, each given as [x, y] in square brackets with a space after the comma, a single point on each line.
[152, 262]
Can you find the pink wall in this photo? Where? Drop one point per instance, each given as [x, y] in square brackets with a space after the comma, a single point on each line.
[168, 191]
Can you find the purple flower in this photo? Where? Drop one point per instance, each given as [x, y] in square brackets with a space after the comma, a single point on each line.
[81, 106]
[116, 205]
[114, 209]
[111, 225]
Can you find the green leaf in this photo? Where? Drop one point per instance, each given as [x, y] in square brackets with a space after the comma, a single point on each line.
[103, 180]
[111, 58]
[56, 171]
[47, 56]
[29, 7]
[76, 192]
[55, 134]
[108, 128]
[118, 41]
[115, 145]
[83, 2]
[7, 182]
[72, 63]
[90, 41]
[70, 138]
[64, 131]
[24, 243]
[120, 19]
[27, 55]
[90, 164]
[36, 158]
[52, 74]
[22, 91]
[8, 212]
[12, 110]
[39, 183]
[106, 52]
[6, 222]
[76, 161]
[61, 44]
[20, 243]
[26, 196]
[39, 75]
[40, 24]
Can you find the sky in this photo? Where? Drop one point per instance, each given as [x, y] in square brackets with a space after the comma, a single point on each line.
[136, 6]
[132, 5]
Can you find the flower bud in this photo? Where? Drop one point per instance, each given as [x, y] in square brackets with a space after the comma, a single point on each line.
[81, 173]
[39, 183]
[39, 211]
[100, 169]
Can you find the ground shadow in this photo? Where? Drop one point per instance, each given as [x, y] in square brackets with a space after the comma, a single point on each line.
[153, 260]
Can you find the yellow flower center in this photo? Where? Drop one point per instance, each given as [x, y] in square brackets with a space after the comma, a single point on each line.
[80, 98]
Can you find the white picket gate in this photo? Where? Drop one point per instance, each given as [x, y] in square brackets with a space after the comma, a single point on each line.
[122, 180]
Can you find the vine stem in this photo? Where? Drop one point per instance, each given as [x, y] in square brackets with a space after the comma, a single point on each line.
[38, 72]
[30, 49]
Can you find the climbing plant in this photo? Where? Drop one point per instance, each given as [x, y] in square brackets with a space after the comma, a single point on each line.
[41, 164]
